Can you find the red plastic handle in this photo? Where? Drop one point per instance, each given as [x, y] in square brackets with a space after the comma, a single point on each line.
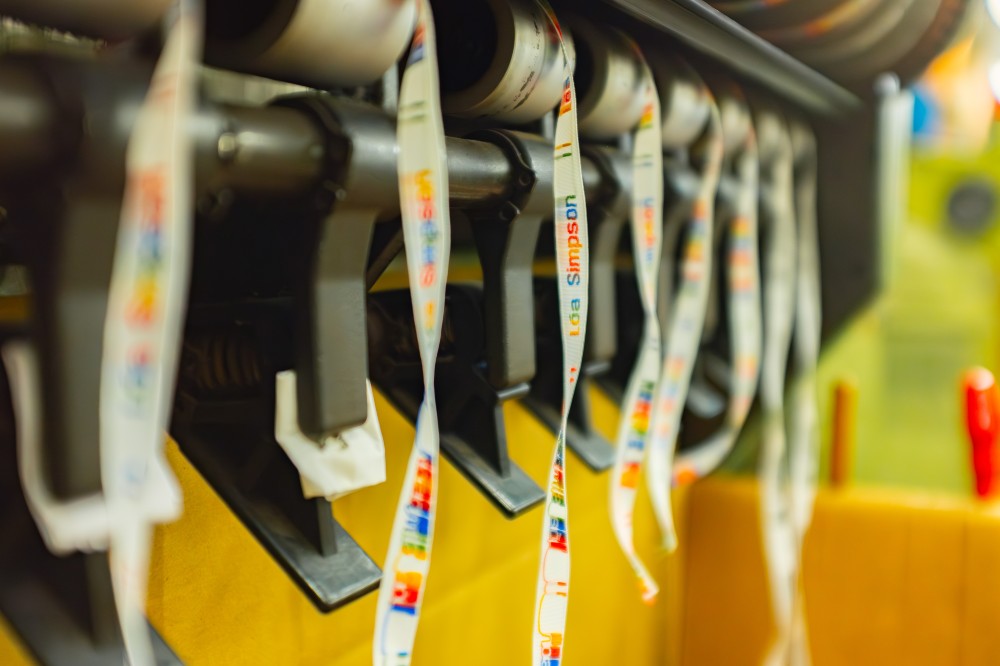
[982, 420]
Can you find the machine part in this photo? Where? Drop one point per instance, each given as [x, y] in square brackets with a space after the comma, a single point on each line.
[308, 314]
[776, 15]
[684, 112]
[62, 228]
[708, 31]
[320, 43]
[114, 20]
[608, 212]
[272, 175]
[505, 240]
[905, 48]
[470, 409]
[330, 334]
[854, 40]
[608, 77]
[61, 606]
[498, 58]
[685, 107]
[545, 397]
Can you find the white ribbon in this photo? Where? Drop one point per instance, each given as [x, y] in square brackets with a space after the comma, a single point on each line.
[688, 318]
[573, 278]
[423, 194]
[804, 421]
[144, 322]
[779, 303]
[744, 322]
[647, 240]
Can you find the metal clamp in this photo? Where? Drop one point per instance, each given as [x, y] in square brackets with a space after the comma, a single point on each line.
[609, 210]
[496, 358]
[293, 297]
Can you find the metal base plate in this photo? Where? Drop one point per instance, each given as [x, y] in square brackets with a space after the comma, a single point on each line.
[330, 581]
[51, 635]
[513, 494]
[595, 451]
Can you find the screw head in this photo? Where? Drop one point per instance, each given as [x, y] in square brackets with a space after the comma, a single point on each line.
[227, 146]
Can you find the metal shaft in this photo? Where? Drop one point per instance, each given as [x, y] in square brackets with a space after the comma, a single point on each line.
[270, 151]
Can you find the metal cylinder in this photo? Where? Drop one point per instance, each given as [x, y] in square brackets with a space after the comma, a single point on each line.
[28, 123]
[477, 171]
[320, 43]
[113, 20]
[683, 104]
[609, 80]
[265, 150]
[498, 58]
[735, 118]
[269, 151]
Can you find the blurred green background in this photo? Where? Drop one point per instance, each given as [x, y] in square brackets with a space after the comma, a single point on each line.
[936, 317]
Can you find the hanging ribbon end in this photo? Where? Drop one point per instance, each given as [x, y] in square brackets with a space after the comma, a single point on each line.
[650, 591]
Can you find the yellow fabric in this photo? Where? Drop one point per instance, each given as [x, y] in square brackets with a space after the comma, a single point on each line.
[890, 578]
[12, 653]
[219, 599]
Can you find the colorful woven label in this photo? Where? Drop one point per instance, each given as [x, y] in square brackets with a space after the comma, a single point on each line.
[804, 421]
[779, 308]
[423, 193]
[145, 318]
[687, 320]
[745, 325]
[572, 245]
[637, 410]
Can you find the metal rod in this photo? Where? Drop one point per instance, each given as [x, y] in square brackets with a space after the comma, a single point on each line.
[270, 151]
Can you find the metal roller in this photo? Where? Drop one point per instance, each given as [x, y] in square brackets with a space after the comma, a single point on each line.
[684, 107]
[854, 40]
[113, 20]
[261, 151]
[608, 80]
[320, 43]
[778, 14]
[735, 118]
[498, 58]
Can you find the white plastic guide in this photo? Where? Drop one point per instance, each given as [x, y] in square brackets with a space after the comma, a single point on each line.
[423, 194]
[745, 326]
[572, 245]
[339, 464]
[687, 320]
[779, 302]
[647, 239]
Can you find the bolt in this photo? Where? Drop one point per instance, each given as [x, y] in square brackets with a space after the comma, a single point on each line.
[228, 146]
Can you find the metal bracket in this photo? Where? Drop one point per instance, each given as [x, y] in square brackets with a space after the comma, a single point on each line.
[470, 409]
[296, 298]
[679, 193]
[496, 357]
[609, 212]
